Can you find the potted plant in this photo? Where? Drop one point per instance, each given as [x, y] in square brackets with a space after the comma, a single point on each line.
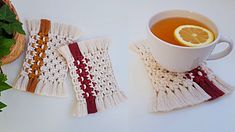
[12, 40]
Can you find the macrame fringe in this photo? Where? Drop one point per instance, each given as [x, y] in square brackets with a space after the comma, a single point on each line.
[60, 89]
[65, 52]
[48, 89]
[169, 100]
[45, 89]
[33, 26]
[39, 87]
[93, 45]
[109, 101]
[21, 82]
[80, 108]
[218, 82]
[203, 94]
[42, 88]
[119, 97]
[100, 104]
[59, 29]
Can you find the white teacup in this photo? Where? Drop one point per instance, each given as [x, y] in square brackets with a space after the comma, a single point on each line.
[178, 58]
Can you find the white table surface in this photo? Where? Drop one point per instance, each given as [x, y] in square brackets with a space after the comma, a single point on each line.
[123, 21]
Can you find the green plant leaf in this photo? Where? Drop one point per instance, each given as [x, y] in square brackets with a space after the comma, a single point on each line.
[5, 45]
[4, 86]
[13, 27]
[8, 26]
[2, 106]
[6, 14]
[4, 34]
[3, 77]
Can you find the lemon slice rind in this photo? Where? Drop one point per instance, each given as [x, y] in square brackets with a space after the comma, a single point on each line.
[187, 43]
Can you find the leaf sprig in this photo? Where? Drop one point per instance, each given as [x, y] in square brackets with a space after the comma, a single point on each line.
[9, 25]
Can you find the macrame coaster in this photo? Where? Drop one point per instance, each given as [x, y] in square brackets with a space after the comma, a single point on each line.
[44, 69]
[178, 90]
[91, 71]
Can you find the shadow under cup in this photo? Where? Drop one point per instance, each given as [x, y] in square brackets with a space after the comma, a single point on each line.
[180, 58]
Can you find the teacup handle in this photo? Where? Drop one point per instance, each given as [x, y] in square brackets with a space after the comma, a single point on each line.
[225, 52]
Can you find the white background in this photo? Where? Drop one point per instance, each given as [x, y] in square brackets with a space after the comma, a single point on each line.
[123, 21]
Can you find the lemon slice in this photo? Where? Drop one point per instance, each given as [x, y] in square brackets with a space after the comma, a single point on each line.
[193, 36]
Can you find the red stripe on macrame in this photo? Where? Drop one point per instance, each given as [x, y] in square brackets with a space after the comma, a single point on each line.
[82, 71]
[205, 83]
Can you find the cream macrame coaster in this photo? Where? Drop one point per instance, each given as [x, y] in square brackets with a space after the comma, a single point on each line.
[44, 69]
[92, 75]
[178, 90]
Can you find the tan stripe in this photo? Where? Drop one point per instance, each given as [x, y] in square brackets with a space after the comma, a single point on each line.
[45, 26]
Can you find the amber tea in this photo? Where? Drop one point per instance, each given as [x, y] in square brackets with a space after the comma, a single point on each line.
[165, 28]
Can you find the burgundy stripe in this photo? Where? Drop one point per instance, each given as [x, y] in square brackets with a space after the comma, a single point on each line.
[206, 84]
[83, 77]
